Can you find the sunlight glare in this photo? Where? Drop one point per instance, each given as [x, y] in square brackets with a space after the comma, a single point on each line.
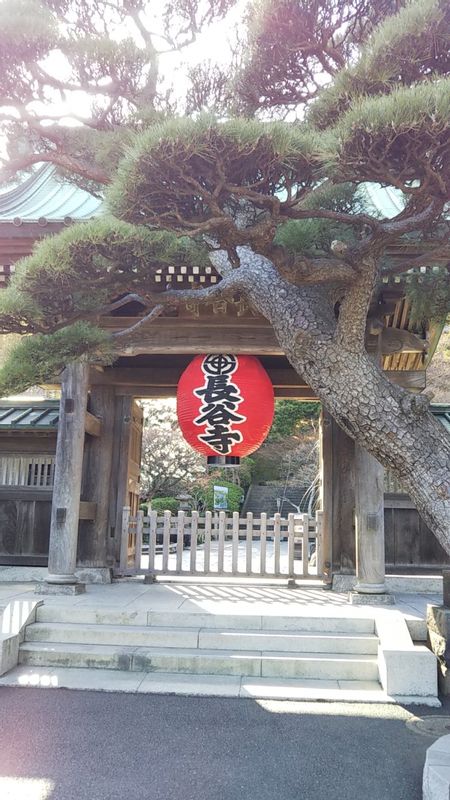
[26, 788]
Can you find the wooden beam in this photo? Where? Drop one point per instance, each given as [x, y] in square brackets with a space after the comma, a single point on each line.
[93, 425]
[169, 376]
[414, 380]
[303, 393]
[394, 340]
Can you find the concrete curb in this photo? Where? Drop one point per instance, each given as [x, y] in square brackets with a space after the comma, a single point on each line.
[436, 772]
[38, 574]
[401, 584]
[404, 668]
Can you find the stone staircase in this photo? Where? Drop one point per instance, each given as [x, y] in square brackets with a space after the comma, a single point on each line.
[264, 498]
[322, 652]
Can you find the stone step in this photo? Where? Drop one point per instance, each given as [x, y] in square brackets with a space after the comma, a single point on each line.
[304, 620]
[200, 685]
[319, 666]
[207, 638]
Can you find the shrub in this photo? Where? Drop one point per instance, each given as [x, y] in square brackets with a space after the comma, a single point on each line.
[165, 504]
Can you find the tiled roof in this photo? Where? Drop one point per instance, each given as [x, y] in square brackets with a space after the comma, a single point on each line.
[45, 415]
[44, 196]
[47, 197]
[42, 416]
[442, 413]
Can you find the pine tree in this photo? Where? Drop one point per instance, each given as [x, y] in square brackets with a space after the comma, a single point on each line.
[264, 179]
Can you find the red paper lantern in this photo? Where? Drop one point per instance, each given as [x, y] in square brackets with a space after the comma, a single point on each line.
[225, 405]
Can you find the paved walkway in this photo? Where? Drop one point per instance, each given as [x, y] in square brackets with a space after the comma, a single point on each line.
[69, 745]
[224, 596]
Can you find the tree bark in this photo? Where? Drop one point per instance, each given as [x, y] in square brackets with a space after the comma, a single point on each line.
[393, 425]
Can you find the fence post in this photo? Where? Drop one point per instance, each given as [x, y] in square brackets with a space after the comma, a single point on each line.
[319, 548]
[138, 544]
[166, 540]
[150, 576]
[235, 544]
[180, 541]
[124, 539]
[276, 544]
[305, 544]
[249, 543]
[222, 523]
[291, 545]
[263, 544]
[194, 534]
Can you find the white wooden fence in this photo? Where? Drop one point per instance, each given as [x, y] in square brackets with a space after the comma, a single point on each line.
[221, 545]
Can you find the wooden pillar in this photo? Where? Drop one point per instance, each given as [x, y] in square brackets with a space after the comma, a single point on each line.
[119, 483]
[68, 469]
[94, 535]
[369, 513]
[343, 500]
[326, 493]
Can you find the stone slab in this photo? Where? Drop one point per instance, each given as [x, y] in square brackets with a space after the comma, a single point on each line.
[195, 685]
[319, 666]
[60, 588]
[404, 584]
[363, 599]
[101, 575]
[130, 636]
[436, 772]
[405, 668]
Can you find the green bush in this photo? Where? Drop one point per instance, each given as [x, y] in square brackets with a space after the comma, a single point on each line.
[165, 504]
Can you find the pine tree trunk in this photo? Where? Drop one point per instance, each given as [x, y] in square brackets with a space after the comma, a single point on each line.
[392, 424]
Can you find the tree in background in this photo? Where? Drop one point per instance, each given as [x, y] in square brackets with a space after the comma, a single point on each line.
[290, 453]
[169, 465]
[277, 207]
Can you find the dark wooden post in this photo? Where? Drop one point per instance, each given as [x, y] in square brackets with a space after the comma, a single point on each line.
[93, 536]
[326, 494]
[369, 513]
[119, 495]
[67, 483]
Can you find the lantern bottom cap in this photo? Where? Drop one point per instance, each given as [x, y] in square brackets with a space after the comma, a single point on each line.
[223, 461]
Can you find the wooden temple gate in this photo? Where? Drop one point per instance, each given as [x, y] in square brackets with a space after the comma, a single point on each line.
[97, 452]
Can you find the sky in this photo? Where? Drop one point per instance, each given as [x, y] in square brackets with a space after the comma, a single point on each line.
[214, 44]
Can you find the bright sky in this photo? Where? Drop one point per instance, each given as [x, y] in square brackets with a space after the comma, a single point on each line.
[214, 44]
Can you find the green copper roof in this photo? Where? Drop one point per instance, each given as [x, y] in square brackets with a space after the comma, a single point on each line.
[44, 196]
[442, 413]
[39, 416]
[44, 415]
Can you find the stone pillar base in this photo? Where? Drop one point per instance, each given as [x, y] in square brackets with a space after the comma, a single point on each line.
[359, 599]
[60, 588]
[370, 588]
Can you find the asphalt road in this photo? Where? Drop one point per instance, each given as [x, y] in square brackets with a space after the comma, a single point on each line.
[73, 745]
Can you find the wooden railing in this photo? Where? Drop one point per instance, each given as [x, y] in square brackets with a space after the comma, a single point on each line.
[221, 544]
[27, 470]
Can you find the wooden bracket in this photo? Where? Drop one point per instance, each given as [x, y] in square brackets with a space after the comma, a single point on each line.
[93, 425]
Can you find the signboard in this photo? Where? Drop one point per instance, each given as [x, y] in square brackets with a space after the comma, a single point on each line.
[220, 498]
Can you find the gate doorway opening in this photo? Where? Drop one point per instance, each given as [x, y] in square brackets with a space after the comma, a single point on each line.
[221, 545]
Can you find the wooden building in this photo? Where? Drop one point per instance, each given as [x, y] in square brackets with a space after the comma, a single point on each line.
[99, 432]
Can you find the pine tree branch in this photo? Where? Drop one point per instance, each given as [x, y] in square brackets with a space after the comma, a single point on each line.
[127, 332]
[336, 216]
[95, 174]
